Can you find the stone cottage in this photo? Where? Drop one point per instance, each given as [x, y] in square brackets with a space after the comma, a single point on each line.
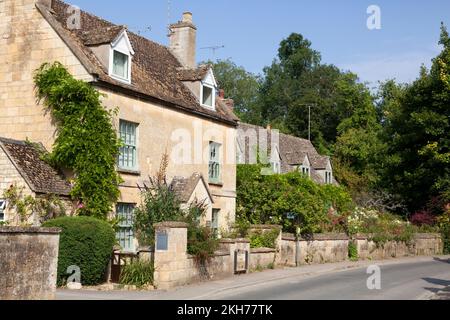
[22, 168]
[167, 104]
[284, 153]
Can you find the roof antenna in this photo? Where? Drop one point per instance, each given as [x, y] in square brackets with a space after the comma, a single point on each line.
[213, 49]
[169, 9]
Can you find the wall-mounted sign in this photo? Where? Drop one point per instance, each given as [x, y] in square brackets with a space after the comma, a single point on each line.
[162, 241]
[240, 261]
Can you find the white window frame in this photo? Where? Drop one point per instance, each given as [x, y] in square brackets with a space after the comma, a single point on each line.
[214, 164]
[135, 147]
[2, 210]
[126, 50]
[125, 234]
[328, 177]
[305, 170]
[111, 67]
[215, 223]
[213, 89]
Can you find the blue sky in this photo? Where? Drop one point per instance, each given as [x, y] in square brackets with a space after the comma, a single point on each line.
[251, 30]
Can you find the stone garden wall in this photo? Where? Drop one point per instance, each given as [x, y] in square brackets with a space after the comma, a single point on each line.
[422, 245]
[28, 263]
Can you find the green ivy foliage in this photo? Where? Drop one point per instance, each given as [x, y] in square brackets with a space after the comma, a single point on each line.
[272, 199]
[86, 141]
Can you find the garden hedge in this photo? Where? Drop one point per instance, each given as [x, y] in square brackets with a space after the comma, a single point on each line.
[84, 242]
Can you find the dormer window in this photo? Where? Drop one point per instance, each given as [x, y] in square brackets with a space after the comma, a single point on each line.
[305, 171]
[121, 58]
[208, 91]
[208, 96]
[120, 65]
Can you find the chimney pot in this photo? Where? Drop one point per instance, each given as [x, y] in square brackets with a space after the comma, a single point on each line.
[222, 93]
[187, 17]
[269, 127]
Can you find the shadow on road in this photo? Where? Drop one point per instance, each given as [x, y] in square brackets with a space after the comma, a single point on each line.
[440, 282]
[441, 260]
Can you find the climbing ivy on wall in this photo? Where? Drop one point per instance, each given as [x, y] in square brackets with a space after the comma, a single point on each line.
[86, 141]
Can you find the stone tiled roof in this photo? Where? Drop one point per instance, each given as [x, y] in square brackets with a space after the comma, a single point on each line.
[197, 74]
[40, 176]
[293, 151]
[185, 187]
[155, 70]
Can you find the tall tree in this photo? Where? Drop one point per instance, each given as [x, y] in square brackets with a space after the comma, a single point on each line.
[297, 80]
[418, 133]
[241, 86]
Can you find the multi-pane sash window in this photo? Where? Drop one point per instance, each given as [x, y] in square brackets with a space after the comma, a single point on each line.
[125, 236]
[215, 221]
[2, 210]
[305, 171]
[214, 162]
[120, 65]
[328, 177]
[128, 152]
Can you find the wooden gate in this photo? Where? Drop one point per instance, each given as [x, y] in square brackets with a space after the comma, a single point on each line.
[118, 261]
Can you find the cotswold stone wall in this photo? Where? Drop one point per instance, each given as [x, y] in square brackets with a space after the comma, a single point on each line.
[422, 245]
[175, 267]
[328, 248]
[262, 258]
[28, 263]
[321, 248]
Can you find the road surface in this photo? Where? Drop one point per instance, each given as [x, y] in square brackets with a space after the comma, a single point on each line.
[405, 279]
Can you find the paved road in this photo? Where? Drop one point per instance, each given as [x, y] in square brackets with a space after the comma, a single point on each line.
[405, 279]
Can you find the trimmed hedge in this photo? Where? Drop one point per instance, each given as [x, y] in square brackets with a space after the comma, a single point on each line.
[84, 242]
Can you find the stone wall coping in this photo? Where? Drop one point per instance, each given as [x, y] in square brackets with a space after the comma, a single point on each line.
[317, 237]
[240, 240]
[427, 236]
[416, 236]
[265, 226]
[262, 250]
[171, 224]
[30, 230]
[220, 253]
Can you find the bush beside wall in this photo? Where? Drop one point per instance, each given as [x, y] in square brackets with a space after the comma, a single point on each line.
[84, 242]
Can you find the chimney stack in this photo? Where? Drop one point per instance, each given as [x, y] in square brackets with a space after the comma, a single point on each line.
[183, 38]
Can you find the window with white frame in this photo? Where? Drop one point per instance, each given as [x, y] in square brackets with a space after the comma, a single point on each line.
[276, 167]
[121, 65]
[328, 177]
[125, 236]
[2, 210]
[214, 162]
[305, 170]
[215, 221]
[128, 151]
[208, 96]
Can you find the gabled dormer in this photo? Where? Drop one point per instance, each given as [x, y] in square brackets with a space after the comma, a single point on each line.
[208, 90]
[305, 167]
[275, 160]
[120, 58]
[202, 83]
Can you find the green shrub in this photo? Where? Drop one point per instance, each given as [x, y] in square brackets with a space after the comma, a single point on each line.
[352, 251]
[289, 200]
[84, 242]
[201, 243]
[138, 273]
[260, 239]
